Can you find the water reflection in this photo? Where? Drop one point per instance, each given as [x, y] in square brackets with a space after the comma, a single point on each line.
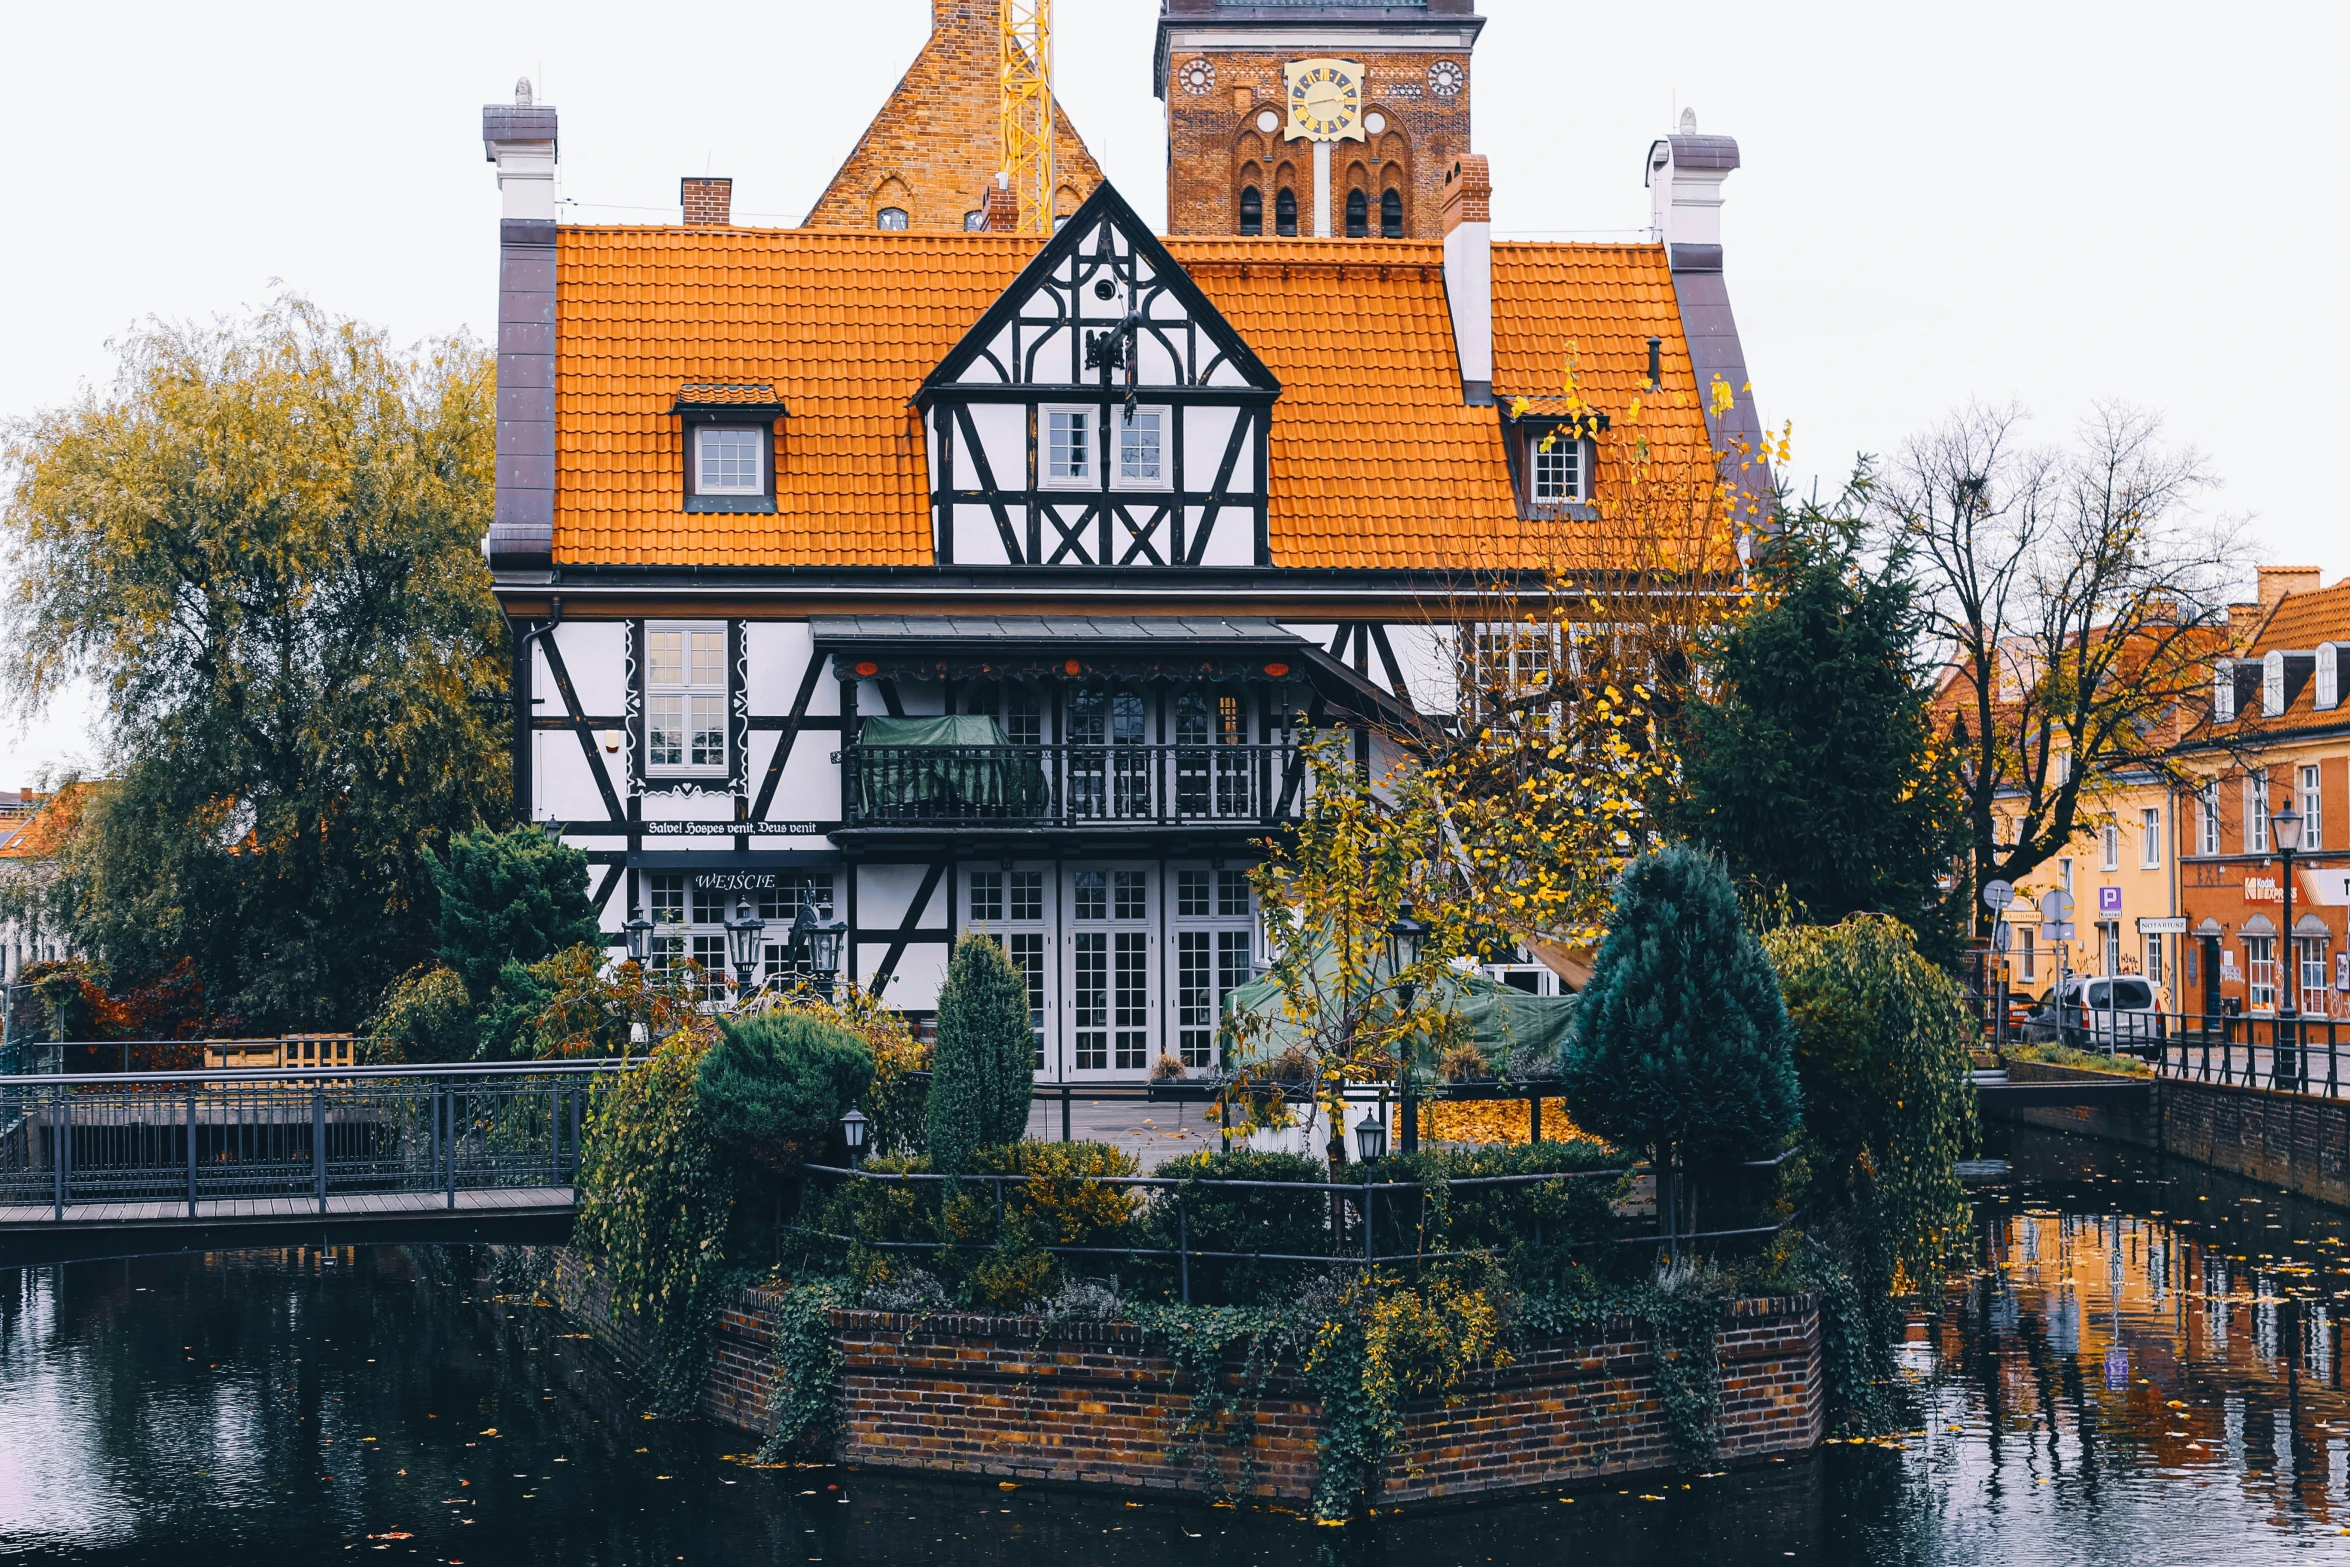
[2144, 1365]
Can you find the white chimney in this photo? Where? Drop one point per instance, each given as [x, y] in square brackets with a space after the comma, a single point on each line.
[1468, 272]
[1684, 177]
[520, 139]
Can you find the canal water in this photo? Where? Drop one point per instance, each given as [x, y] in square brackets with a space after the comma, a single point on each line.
[2145, 1366]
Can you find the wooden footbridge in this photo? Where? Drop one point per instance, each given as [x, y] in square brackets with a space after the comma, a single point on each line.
[108, 1164]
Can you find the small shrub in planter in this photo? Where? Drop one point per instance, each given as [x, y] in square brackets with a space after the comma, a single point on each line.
[1251, 1219]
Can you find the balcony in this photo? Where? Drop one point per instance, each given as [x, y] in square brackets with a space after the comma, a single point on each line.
[1063, 787]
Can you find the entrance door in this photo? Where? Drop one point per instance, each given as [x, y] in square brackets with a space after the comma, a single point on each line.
[1214, 930]
[1112, 1030]
[2210, 946]
[1010, 904]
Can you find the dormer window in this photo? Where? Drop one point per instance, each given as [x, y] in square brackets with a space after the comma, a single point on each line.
[1550, 459]
[2272, 686]
[726, 461]
[1557, 468]
[2223, 692]
[2329, 675]
[729, 431]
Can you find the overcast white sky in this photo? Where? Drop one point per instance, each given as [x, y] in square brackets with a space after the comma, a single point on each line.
[2046, 202]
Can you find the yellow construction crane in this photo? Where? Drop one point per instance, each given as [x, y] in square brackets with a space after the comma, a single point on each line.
[1025, 49]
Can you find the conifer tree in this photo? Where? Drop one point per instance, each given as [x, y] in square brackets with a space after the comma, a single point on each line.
[982, 1072]
[1681, 1041]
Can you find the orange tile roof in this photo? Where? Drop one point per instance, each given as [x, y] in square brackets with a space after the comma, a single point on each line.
[38, 836]
[1375, 460]
[2301, 621]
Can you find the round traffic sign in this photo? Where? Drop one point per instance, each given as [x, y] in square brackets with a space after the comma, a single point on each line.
[2056, 904]
[1998, 894]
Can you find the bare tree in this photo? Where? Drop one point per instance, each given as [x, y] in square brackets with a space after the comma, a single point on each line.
[2078, 599]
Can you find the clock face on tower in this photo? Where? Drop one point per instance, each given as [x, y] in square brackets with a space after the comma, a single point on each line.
[1325, 100]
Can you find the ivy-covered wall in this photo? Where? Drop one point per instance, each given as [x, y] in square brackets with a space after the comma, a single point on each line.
[1092, 1403]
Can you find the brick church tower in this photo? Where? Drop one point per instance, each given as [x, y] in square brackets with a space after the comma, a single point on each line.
[1328, 117]
[926, 161]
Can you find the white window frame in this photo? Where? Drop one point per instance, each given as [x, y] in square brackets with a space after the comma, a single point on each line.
[1118, 427]
[2272, 685]
[2260, 973]
[2329, 675]
[2150, 838]
[2207, 817]
[2153, 960]
[2064, 873]
[1046, 478]
[1565, 446]
[2256, 813]
[690, 692]
[2313, 807]
[2311, 953]
[2109, 846]
[762, 451]
[2223, 692]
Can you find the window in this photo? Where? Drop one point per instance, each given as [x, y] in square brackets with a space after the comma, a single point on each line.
[2026, 958]
[2260, 972]
[2064, 874]
[2154, 960]
[1252, 211]
[2311, 950]
[2207, 819]
[2109, 847]
[2149, 839]
[779, 906]
[726, 461]
[2313, 809]
[1556, 460]
[998, 896]
[1358, 215]
[2223, 691]
[2256, 814]
[685, 699]
[2272, 686]
[2329, 675]
[1391, 215]
[890, 218]
[1068, 446]
[975, 220]
[1199, 894]
[1139, 447]
[1285, 214]
[2062, 766]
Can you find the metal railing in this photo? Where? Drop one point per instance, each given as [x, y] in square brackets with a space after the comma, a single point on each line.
[2301, 1055]
[1071, 785]
[1348, 1225]
[194, 1137]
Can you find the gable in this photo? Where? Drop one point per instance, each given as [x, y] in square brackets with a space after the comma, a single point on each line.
[936, 136]
[1103, 276]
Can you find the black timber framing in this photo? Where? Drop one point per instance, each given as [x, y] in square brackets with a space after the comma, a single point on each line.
[576, 719]
[791, 726]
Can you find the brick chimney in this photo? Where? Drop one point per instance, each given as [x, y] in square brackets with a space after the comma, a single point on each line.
[1000, 208]
[708, 202]
[2277, 581]
[520, 139]
[1468, 273]
[2244, 623]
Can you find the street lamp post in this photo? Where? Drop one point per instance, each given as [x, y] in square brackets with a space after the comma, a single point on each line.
[820, 936]
[640, 952]
[744, 929]
[2285, 829]
[1406, 935]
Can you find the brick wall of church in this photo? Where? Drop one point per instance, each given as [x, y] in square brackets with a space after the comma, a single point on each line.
[935, 144]
[1212, 132]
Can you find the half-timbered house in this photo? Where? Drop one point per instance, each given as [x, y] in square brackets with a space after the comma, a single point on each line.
[978, 580]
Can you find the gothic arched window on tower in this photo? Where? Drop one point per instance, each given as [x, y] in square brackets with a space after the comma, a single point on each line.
[1285, 214]
[1358, 215]
[1252, 211]
[1391, 214]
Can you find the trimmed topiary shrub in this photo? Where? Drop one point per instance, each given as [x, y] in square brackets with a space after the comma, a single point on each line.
[982, 1070]
[775, 1085]
[509, 894]
[1680, 1041]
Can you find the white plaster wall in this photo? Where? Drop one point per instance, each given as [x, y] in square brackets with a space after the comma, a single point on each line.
[592, 653]
[977, 542]
[777, 653]
[1426, 655]
[919, 976]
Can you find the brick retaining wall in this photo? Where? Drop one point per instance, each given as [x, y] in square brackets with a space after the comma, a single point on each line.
[1086, 1404]
[2292, 1141]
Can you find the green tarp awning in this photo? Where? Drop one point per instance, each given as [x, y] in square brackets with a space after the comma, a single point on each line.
[959, 765]
[1520, 1034]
